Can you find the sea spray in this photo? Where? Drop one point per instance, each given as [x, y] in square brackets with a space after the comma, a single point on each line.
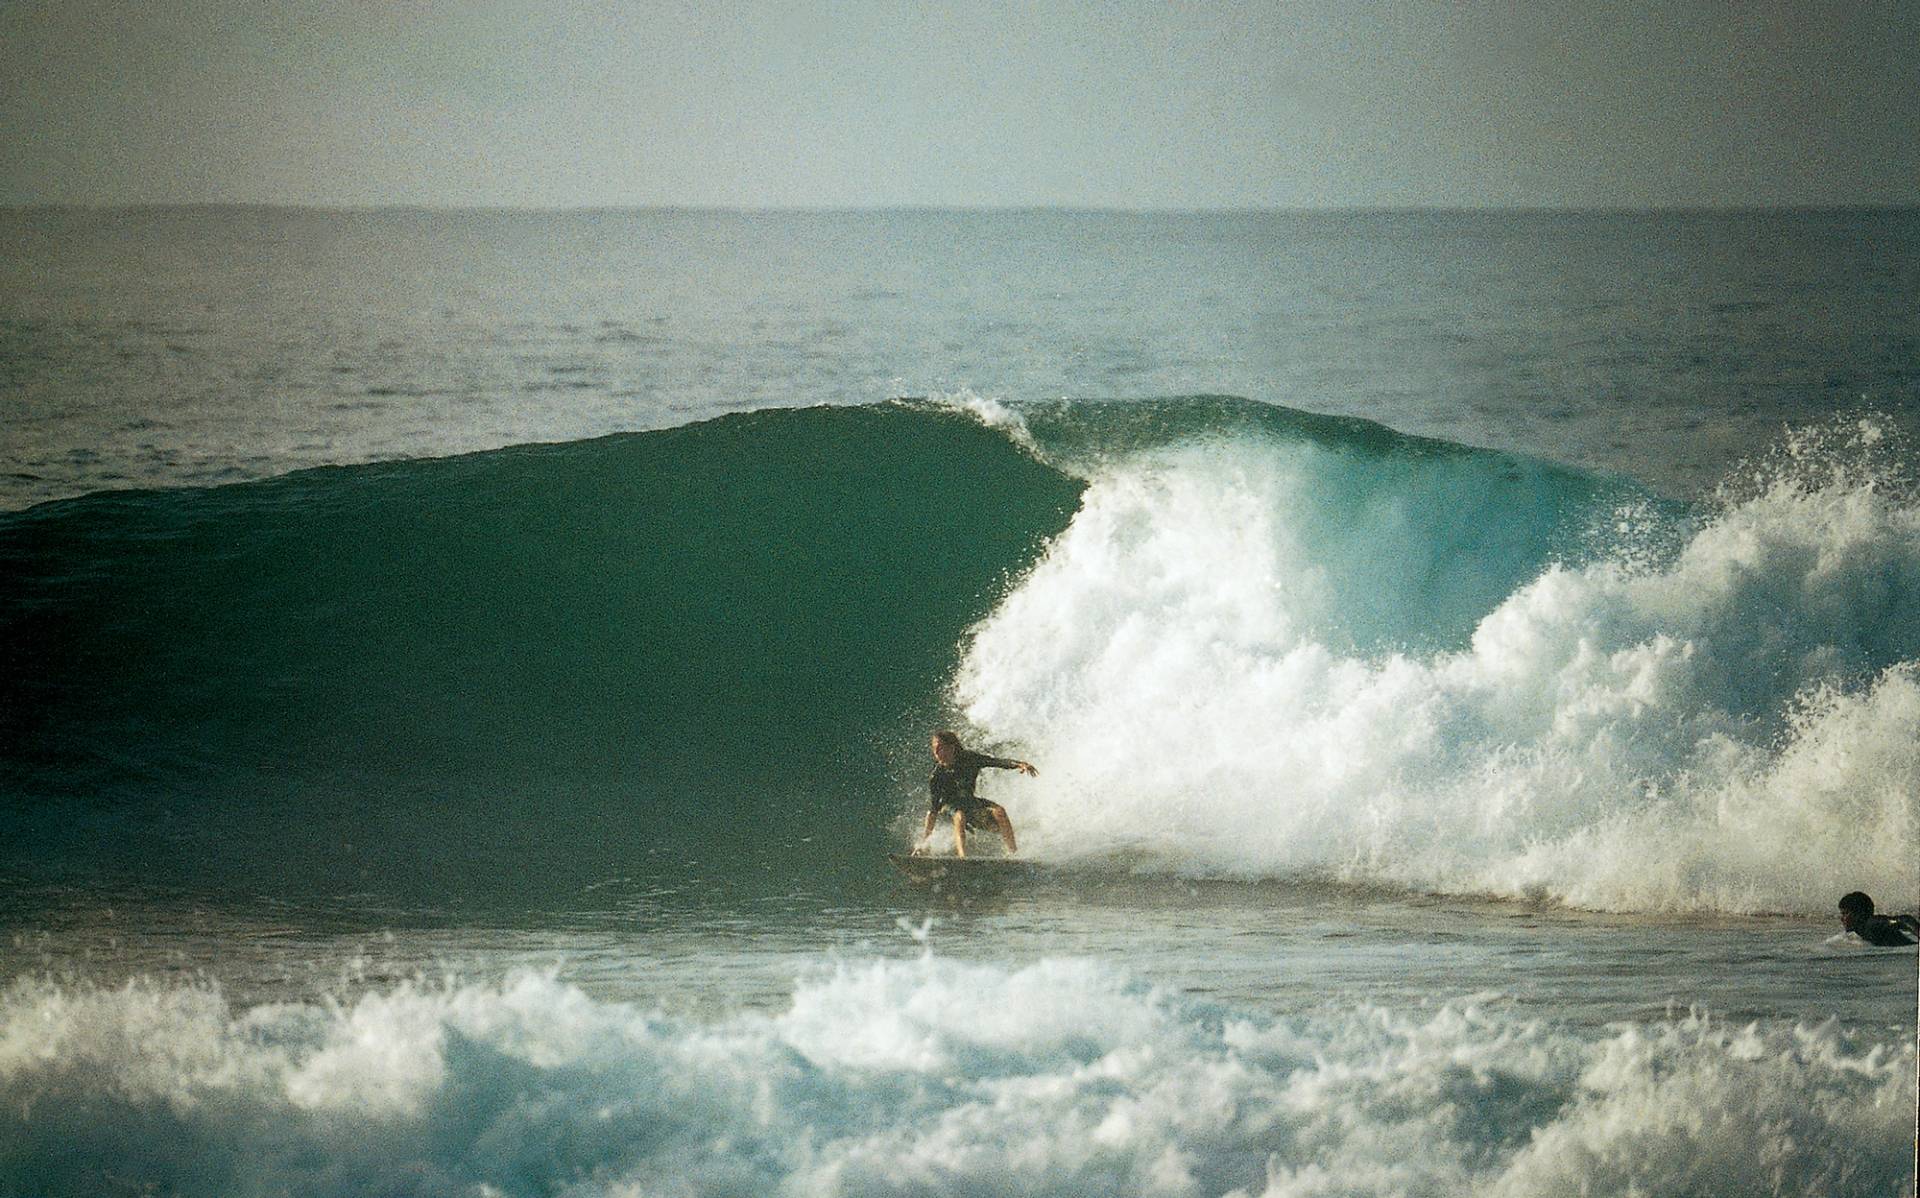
[915, 1077]
[1259, 655]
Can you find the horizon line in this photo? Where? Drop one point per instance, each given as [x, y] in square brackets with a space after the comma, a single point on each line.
[953, 209]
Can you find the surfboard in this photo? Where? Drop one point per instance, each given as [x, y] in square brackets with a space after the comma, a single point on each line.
[935, 869]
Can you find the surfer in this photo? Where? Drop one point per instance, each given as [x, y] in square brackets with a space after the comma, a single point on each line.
[950, 788]
[1881, 931]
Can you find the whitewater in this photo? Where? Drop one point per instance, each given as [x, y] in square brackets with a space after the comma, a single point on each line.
[920, 1077]
[461, 676]
[1248, 657]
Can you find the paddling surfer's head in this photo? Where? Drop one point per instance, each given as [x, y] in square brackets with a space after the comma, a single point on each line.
[945, 746]
[1855, 910]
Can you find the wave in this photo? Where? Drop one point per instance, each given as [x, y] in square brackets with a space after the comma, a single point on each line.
[1240, 641]
[673, 651]
[918, 1077]
[1244, 659]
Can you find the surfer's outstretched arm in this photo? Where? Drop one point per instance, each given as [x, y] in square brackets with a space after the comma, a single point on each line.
[1008, 763]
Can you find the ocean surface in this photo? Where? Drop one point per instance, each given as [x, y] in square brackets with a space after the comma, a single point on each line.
[461, 675]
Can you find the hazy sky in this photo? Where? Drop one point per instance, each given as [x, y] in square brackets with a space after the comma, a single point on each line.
[546, 102]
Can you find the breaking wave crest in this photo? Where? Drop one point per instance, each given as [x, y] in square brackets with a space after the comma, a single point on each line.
[1250, 657]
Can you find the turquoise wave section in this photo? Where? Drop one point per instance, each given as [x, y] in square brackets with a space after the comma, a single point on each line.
[706, 656]
[1413, 540]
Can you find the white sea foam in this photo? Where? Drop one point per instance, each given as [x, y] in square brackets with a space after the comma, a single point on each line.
[924, 1077]
[1732, 725]
[988, 411]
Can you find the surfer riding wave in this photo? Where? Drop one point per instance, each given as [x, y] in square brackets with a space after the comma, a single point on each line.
[950, 788]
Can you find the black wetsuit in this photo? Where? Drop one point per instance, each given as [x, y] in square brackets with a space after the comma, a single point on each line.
[1882, 932]
[951, 786]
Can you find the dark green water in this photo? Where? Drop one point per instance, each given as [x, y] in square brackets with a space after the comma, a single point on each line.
[527, 664]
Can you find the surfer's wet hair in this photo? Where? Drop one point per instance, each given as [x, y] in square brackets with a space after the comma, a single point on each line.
[1856, 902]
[946, 737]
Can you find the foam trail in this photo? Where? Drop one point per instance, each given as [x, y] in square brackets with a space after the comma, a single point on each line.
[1212, 678]
[885, 1078]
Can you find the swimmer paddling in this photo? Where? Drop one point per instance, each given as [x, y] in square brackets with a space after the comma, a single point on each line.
[1880, 931]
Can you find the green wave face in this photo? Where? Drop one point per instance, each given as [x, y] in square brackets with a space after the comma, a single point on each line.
[698, 659]
[675, 653]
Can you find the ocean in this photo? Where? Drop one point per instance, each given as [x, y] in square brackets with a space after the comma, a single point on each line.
[462, 674]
